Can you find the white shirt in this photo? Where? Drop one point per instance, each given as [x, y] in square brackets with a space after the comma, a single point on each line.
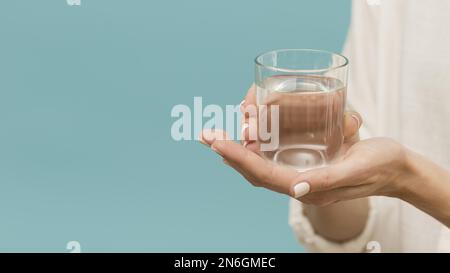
[399, 81]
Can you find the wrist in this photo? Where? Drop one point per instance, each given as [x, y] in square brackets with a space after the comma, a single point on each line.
[410, 179]
[426, 186]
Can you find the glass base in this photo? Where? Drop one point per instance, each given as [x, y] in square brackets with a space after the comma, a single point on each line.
[301, 157]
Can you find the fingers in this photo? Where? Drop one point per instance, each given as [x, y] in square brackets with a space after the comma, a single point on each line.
[208, 136]
[249, 127]
[253, 146]
[320, 179]
[352, 123]
[326, 198]
[249, 120]
[260, 172]
[257, 170]
[249, 134]
[318, 186]
[250, 98]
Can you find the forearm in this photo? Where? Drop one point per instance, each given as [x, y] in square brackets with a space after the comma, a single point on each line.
[339, 222]
[420, 182]
[427, 187]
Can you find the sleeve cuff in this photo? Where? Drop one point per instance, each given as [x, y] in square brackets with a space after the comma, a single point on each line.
[305, 234]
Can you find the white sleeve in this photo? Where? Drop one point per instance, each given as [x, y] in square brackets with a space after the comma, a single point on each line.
[305, 234]
[361, 50]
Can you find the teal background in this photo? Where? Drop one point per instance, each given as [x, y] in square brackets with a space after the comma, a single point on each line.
[85, 146]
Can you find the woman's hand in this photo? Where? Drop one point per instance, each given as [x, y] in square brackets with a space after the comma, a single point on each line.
[341, 181]
[372, 167]
[377, 166]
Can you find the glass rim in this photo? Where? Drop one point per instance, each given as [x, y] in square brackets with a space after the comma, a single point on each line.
[281, 69]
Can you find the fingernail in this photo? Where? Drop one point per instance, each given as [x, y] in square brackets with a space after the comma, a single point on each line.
[241, 107]
[357, 120]
[208, 135]
[245, 144]
[244, 127]
[301, 189]
[201, 140]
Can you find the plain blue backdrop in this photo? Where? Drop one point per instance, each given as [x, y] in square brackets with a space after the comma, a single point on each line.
[85, 98]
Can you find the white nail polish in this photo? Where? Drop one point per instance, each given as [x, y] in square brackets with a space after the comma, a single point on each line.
[202, 141]
[301, 189]
[244, 127]
[357, 120]
[242, 103]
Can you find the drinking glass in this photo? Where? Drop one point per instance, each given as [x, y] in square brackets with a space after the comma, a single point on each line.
[308, 89]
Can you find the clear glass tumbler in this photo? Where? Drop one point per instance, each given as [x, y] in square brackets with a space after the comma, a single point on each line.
[309, 88]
